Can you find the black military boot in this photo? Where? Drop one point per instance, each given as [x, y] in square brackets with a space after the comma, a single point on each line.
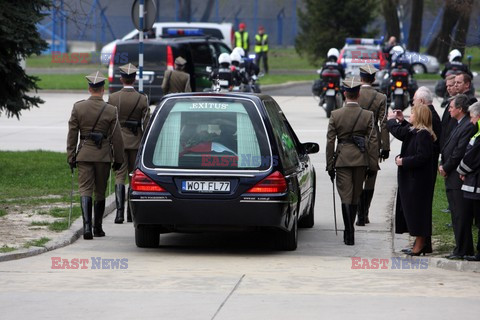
[368, 201]
[99, 208]
[362, 209]
[353, 213]
[120, 202]
[348, 236]
[86, 204]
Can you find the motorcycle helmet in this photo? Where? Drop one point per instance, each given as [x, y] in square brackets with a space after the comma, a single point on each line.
[224, 58]
[235, 58]
[454, 54]
[240, 51]
[396, 52]
[333, 52]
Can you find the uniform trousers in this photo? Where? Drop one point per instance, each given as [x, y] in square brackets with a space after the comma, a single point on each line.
[472, 211]
[93, 178]
[461, 223]
[350, 183]
[129, 157]
[370, 181]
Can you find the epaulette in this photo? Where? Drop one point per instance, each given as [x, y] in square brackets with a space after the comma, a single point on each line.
[79, 101]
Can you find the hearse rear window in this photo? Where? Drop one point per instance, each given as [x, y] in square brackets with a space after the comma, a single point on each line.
[210, 134]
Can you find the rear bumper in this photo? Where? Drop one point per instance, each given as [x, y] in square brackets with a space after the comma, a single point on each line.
[215, 214]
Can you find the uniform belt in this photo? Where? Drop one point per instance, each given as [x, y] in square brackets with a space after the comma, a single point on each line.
[82, 137]
[345, 141]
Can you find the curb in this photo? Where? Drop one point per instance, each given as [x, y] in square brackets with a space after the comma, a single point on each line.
[66, 237]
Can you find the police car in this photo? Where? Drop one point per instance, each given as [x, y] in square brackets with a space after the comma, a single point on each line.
[360, 51]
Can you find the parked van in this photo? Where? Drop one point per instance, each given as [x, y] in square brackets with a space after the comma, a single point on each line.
[222, 31]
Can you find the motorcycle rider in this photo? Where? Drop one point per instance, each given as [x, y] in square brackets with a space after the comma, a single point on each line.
[331, 62]
[455, 64]
[400, 60]
[251, 69]
[225, 76]
[236, 60]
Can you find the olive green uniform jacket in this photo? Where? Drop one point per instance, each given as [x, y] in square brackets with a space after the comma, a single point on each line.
[175, 81]
[133, 106]
[340, 127]
[82, 119]
[371, 99]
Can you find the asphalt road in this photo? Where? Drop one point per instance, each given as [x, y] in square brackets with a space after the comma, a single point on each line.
[231, 276]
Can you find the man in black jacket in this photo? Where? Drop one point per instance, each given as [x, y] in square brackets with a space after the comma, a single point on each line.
[451, 154]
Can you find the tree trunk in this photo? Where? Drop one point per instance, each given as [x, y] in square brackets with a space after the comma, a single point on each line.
[389, 8]
[462, 28]
[440, 45]
[415, 34]
[208, 11]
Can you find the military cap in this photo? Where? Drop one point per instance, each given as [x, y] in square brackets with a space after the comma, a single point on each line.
[128, 70]
[368, 70]
[96, 79]
[180, 61]
[351, 84]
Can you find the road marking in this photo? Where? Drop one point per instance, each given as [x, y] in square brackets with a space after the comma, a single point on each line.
[229, 295]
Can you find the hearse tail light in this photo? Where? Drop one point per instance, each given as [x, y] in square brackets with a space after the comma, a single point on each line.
[110, 65]
[140, 182]
[274, 183]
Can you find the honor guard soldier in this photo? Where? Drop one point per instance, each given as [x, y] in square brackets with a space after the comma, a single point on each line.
[96, 124]
[376, 102]
[133, 116]
[355, 155]
[177, 80]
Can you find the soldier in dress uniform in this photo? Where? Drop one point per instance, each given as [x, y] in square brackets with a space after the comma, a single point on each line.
[133, 116]
[95, 123]
[176, 80]
[356, 154]
[376, 102]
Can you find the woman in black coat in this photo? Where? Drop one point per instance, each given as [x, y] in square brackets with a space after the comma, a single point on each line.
[415, 171]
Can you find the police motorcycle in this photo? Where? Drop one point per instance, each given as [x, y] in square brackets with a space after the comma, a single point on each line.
[453, 66]
[248, 70]
[397, 83]
[327, 88]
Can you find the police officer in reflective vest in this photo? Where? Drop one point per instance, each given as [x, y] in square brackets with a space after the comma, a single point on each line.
[261, 48]
[376, 102]
[133, 115]
[241, 38]
[356, 152]
[96, 124]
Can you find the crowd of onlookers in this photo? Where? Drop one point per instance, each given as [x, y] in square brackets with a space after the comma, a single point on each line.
[449, 146]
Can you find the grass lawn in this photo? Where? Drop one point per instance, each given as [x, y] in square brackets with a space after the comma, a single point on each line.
[58, 81]
[34, 178]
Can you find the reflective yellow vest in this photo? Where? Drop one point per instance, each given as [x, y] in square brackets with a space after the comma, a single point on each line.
[261, 43]
[241, 42]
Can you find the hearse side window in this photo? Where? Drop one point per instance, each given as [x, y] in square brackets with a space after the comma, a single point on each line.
[208, 134]
[283, 136]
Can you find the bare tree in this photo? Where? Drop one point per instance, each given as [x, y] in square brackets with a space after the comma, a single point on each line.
[462, 27]
[389, 9]
[440, 44]
[415, 34]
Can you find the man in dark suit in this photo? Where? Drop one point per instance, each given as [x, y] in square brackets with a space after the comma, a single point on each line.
[452, 153]
[447, 123]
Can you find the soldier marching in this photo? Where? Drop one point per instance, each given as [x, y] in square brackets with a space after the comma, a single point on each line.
[133, 116]
[94, 141]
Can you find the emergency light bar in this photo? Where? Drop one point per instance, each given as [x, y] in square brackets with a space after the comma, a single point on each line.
[363, 41]
[184, 32]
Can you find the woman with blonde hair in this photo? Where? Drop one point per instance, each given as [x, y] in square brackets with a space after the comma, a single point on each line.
[415, 172]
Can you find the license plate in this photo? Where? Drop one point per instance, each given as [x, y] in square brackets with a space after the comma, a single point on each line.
[330, 92]
[206, 186]
[398, 91]
[223, 83]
